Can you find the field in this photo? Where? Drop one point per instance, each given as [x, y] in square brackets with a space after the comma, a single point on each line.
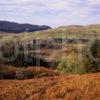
[62, 87]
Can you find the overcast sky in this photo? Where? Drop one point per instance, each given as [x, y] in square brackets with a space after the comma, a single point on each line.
[51, 12]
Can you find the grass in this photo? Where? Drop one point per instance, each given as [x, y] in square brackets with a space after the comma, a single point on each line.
[72, 87]
[63, 32]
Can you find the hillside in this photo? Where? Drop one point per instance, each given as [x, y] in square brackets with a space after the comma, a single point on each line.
[12, 27]
[72, 31]
[73, 87]
[74, 37]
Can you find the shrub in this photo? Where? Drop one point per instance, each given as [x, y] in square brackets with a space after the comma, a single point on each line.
[7, 72]
[41, 71]
[91, 64]
[67, 67]
[24, 74]
[95, 49]
[88, 65]
[42, 74]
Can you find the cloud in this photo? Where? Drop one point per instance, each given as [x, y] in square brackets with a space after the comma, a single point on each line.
[94, 2]
[51, 12]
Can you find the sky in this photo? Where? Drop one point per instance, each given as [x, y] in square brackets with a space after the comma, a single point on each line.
[54, 13]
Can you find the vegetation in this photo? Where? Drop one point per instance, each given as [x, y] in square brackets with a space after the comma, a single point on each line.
[87, 65]
[68, 65]
[91, 63]
[29, 82]
[9, 72]
[62, 87]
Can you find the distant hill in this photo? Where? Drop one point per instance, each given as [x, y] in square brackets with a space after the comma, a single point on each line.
[75, 26]
[80, 26]
[12, 27]
[93, 26]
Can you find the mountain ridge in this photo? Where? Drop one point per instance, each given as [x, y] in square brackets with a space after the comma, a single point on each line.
[13, 27]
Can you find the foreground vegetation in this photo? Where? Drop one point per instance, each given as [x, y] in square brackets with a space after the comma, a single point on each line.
[10, 72]
[73, 87]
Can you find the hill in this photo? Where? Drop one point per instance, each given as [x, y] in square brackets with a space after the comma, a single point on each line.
[12, 27]
[93, 26]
